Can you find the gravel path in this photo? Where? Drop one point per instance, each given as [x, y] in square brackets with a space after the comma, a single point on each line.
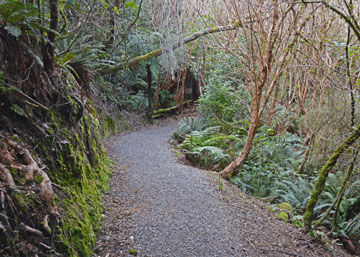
[160, 207]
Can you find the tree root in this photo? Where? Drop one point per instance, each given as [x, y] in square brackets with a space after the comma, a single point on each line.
[31, 230]
[9, 151]
[7, 177]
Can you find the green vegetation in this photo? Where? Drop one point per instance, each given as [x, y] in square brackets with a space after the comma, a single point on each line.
[278, 112]
[214, 138]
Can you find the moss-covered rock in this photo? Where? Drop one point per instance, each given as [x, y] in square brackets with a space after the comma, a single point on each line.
[285, 207]
[283, 216]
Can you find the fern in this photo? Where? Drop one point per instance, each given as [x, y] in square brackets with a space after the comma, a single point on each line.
[206, 147]
[350, 199]
[15, 12]
[211, 155]
[18, 110]
[187, 125]
[221, 139]
[295, 192]
[352, 227]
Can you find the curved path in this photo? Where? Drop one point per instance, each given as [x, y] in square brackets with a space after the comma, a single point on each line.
[160, 207]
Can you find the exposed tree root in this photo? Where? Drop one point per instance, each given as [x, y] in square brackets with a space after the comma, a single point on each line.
[31, 230]
[6, 177]
[10, 154]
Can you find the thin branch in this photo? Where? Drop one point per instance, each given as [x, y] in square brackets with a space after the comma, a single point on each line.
[128, 28]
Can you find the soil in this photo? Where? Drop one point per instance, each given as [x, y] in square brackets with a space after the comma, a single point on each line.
[157, 206]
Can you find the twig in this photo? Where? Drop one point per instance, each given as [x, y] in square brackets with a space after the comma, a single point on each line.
[128, 28]
[12, 88]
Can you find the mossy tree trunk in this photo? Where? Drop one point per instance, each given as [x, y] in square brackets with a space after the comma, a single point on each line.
[320, 182]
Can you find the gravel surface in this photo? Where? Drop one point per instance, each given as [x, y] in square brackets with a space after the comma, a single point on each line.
[160, 207]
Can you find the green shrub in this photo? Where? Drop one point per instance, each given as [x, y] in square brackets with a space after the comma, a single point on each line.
[225, 105]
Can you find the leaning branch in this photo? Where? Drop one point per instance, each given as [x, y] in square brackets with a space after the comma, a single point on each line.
[158, 52]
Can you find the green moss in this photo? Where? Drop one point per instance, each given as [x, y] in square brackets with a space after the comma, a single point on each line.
[285, 207]
[18, 177]
[38, 179]
[80, 167]
[84, 183]
[283, 216]
[133, 252]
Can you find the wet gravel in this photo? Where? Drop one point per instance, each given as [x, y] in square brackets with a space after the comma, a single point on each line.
[160, 207]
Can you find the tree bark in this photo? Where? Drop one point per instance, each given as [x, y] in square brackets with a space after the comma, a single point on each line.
[149, 92]
[230, 170]
[49, 58]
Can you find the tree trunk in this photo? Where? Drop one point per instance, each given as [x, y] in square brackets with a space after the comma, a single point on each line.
[149, 92]
[273, 103]
[320, 182]
[230, 170]
[49, 55]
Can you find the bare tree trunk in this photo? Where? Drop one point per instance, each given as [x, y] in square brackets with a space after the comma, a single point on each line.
[230, 170]
[149, 92]
[263, 69]
[49, 55]
[273, 103]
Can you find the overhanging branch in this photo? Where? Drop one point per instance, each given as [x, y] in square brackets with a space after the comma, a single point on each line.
[133, 62]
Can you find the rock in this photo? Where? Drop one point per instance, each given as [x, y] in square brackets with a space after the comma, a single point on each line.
[283, 216]
[285, 207]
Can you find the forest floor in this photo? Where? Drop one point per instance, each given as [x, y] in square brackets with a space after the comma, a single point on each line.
[157, 206]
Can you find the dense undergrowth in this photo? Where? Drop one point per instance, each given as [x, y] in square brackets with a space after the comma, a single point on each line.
[214, 138]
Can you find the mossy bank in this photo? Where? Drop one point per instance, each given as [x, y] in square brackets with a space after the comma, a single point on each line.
[53, 166]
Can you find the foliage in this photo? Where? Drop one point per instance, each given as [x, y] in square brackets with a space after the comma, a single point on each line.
[330, 121]
[223, 105]
[186, 126]
[294, 191]
[17, 16]
[273, 159]
[352, 227]
[348, 205]
[208, 147]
